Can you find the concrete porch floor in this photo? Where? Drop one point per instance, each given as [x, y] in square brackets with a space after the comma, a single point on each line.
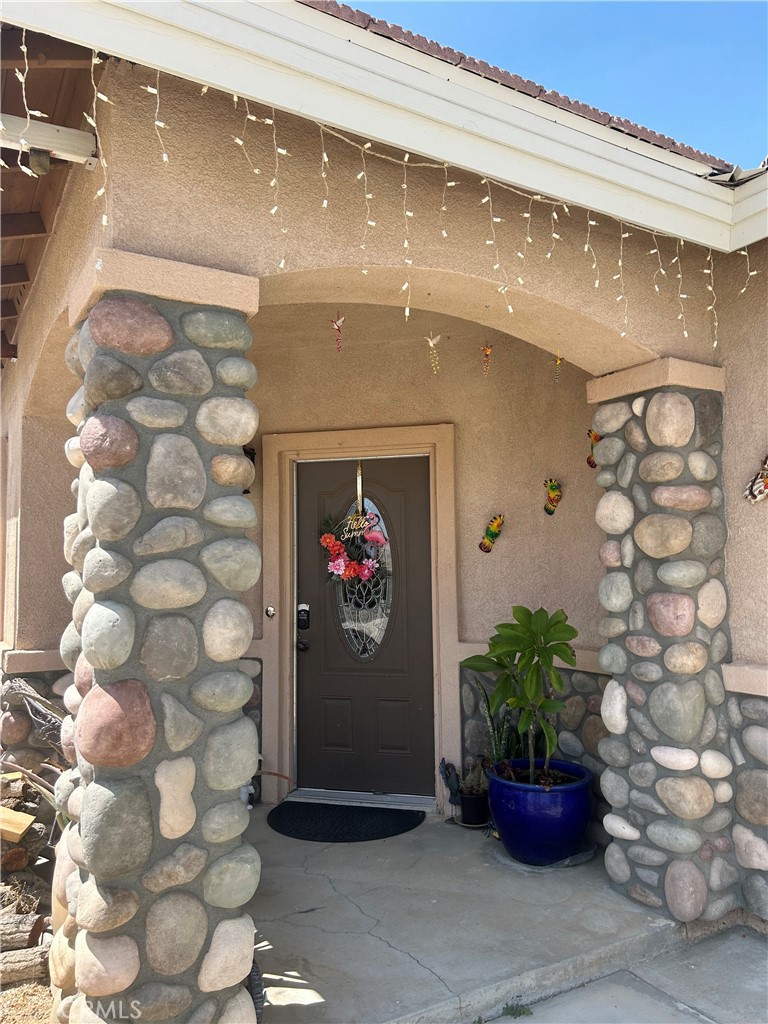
[436, 925]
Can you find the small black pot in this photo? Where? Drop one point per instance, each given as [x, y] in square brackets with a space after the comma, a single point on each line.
[474, 809]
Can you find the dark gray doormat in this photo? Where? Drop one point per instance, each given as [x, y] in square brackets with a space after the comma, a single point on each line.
[334, 823]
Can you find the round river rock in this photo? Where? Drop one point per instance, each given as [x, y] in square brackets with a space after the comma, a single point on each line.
[130, 325]
[660, 535]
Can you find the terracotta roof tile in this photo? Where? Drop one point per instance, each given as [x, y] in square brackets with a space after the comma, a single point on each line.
[493, 74]
[348, 14]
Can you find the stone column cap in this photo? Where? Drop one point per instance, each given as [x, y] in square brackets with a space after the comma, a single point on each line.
[659, 373]
[107, 270]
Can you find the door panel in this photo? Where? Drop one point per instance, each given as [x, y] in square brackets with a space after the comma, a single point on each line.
[365, 718]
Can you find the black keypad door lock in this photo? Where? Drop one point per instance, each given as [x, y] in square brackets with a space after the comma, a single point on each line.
[302, 616]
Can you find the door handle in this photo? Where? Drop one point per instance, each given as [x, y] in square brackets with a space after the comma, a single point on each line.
[302, 645]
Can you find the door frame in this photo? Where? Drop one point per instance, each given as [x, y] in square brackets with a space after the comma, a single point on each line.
[281, 453]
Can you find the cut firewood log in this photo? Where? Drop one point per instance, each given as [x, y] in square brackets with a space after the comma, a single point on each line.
[14, 824]
[17, 856]
[36, 841]
[13, 858]
[24, 965]
[20, 931]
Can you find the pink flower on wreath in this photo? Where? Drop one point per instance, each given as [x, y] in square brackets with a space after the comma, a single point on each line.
[368, 568]
[338, 565]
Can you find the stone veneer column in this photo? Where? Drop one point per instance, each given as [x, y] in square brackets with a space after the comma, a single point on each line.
[688, 799]
[152, 868]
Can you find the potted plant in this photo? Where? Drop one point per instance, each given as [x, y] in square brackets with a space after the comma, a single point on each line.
[473, 794]
[541, 807]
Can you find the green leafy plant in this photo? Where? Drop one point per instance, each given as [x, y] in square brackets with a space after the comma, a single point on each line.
[501, 735]
[523, 654]
[516, 1010]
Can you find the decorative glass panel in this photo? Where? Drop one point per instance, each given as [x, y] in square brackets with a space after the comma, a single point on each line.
[364, 605]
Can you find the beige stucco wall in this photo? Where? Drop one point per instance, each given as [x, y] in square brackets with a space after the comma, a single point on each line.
[207, 207]
[744, 352]
[45, 499]
[513, 429]
[36, 388]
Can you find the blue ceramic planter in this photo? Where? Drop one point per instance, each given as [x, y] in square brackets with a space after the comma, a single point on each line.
[540, 827]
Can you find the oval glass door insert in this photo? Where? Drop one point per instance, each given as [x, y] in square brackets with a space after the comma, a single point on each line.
[364, 606]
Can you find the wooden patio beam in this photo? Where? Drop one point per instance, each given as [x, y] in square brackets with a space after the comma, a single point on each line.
[21, 225]
[14, 274]
[7, 349]
[42, 52]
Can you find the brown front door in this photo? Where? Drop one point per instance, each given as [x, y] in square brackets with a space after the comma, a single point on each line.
[364, 683]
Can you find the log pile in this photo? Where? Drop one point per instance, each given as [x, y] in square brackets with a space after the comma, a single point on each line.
[25, 895]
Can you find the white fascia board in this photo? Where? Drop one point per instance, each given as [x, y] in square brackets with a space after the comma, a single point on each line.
[750, 212]
[304, 62]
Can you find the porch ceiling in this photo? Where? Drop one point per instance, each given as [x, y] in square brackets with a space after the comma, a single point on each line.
[58, 84]
[304, 300]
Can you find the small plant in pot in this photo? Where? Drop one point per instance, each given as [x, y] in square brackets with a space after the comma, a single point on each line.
[473, 794]
[541, 807]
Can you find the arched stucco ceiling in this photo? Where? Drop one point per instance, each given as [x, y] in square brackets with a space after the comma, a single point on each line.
[537, 319]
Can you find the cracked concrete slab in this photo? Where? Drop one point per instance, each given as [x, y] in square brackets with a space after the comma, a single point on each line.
[435, 925]
[718, 980]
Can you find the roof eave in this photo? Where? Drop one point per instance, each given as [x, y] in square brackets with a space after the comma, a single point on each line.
[297, 59]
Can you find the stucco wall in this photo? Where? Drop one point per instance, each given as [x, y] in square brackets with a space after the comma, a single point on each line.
[513, 429]
[36, 388]
[744, 352]
[207, 207]
[45, 494]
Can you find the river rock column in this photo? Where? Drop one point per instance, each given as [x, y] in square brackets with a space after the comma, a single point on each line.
[688, 800]
[152, 870]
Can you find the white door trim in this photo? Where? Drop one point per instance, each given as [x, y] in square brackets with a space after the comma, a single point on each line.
[281, 452]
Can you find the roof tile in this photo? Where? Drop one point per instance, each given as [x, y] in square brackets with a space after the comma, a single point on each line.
[493, 74]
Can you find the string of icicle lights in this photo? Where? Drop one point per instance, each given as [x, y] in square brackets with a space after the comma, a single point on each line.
[486, 187]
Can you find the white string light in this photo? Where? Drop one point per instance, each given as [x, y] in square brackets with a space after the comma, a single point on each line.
[588, 248]
[750, 273]
[240, 140]
[443, 202]
[522, 253]
[680, 293]
[655, 251]
[709, 270]
[22, 77]
[91, 119]
[154, 90]
[498, 266]
[622, 296]
[363, 176]
[554, 233]
[324, 164]
[275, 183]
[407, 215]
[365, 150]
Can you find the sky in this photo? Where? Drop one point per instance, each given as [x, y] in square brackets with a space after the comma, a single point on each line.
[691, 69]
